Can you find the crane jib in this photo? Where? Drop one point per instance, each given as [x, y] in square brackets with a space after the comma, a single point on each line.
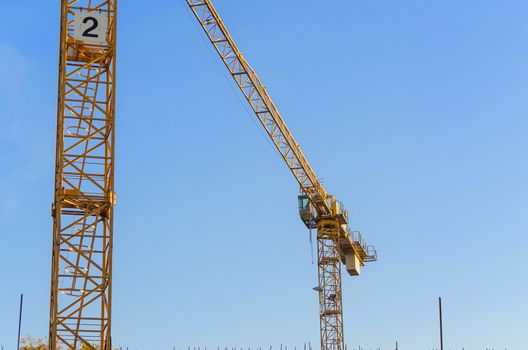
[261, 103]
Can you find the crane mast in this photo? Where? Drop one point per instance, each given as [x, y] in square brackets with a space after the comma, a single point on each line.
[317, 208]
[82, 211]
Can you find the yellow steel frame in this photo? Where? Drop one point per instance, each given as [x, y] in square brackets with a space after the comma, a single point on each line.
[335, 240]
[81, 277]
[330, 291]
[261, 103]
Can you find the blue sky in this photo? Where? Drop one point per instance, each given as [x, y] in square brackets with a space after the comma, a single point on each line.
[414, 113]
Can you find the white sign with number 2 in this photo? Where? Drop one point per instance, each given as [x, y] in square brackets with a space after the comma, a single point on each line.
[90, 27]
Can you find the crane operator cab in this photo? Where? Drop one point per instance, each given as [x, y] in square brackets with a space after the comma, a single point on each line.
[307, 211]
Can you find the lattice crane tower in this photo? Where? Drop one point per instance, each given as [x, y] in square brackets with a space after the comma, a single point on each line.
[81, 277]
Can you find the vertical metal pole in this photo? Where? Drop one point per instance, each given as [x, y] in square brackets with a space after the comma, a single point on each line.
[19, 320]
[441, 324]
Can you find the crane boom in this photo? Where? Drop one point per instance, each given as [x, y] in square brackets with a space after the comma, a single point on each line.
[261, 103]
[318, 209]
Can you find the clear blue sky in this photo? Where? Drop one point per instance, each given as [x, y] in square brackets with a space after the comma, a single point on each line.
[413, 112]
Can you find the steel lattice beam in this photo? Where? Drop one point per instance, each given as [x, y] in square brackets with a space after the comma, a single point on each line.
[330, 294]
[81, 279]
[261, 103]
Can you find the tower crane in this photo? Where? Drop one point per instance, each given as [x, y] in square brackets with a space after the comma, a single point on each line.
[318, 209]
[82, 211]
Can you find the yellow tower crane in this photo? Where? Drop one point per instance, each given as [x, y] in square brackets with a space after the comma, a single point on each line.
[81, 275]
[318, 209]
